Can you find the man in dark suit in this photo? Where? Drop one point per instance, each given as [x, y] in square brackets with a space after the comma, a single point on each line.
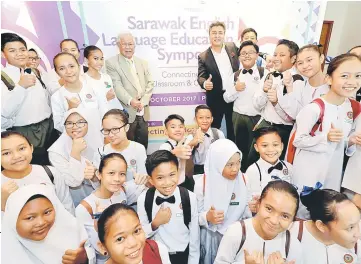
[216, 66]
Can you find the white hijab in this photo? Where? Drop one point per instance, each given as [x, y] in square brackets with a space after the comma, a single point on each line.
[65, 233]
[218, 189]
[93, 137]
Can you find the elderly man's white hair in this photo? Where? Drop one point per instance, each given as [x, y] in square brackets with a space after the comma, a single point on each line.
[124, 34]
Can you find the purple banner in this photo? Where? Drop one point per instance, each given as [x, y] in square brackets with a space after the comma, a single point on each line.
[174, 99]
[155, 123]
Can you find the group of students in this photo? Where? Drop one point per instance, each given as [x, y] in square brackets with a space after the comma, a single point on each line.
[200, 198]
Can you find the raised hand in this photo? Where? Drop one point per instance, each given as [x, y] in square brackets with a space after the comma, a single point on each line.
[208, 83]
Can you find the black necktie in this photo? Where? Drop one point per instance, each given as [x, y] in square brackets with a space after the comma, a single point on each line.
[278, 166]
[250, 71]
[160, 200]
[276, 74]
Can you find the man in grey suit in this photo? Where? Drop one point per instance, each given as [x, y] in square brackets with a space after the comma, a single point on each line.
[133, 86]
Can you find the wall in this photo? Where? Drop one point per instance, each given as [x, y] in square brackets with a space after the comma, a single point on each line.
[346, 31]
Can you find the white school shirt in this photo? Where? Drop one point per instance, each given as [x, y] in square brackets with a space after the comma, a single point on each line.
[269, 112]
[135, 155]
[317, 252]
[231, 242]
[243, 100]
[224, 66]
[51, 79]
[175, 235]
[39, 176]
[133, 71]
[101, 87]
[292, 103]
[167, 146]
[87, 98]
[352, 177]
[252, 175]
[200, 152]
[237, 207]
[325, 157]
[84, 217]
[20, 106]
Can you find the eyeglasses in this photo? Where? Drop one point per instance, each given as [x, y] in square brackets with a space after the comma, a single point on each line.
[34, 58]
[78, 124]
[114, 130]
[244, 54]
[124, 45]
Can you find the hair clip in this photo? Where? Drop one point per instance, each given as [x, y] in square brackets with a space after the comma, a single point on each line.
[307, 190]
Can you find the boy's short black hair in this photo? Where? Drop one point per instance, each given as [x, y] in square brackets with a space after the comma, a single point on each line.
[202, 107]
[247, 43]
[265, 131]
[245, 31]
[69, 40]
[292, 46]
[11, 37]
[158, 157]
[171, 117]
[33, 51]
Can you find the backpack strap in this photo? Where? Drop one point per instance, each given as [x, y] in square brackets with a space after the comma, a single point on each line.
[85, 68]
[260, 71]
[288, 241]
[318, 124]
[148, 203]
[9, 83]
[170, 144]
[48, 171]
[244, 236]
[295, 77]
[356, 108]
[87, 207]
[283, 163]
[215, 133]
[300, 230]
[186, 205]
[259, 170]
[100, 154]
[38, 76]
[356, 251]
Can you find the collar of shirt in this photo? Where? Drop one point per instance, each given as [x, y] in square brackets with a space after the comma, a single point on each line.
[12, 71]
[254, 68]
[223, 50]
[131, 61]
[173, 142]
[266, 165]
[175, 193]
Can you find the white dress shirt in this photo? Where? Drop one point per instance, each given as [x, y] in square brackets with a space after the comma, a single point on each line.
[175, 235]
[20, 106]
[224, 66]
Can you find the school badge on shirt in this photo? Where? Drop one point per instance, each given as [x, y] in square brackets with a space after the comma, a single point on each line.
[89, 98]
[133, 164]
[349, 118]
[233, 197]
[107, 85]
[348, 258]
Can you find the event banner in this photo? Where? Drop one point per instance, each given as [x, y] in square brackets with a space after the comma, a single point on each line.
[168, 34]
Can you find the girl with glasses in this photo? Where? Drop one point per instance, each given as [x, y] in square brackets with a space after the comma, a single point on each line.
[75, 93]
[72, 152]
[115, 128]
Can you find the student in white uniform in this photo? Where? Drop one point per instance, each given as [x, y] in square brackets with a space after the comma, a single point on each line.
[246, 82]
[37, 229]
[169, 213]
[72, 153]
[113, 189]
[100, 82]
[324, 148]
[181, 146]
[269, 166]
[352, 177]
[124, 241]
[207, 135]
[17, 172]
[265, 236]
[357, 51]
[25, 105]
[75, 93]
[270, 98]
[53, 81]
[115, 127]
[221, 196]
[332, 236]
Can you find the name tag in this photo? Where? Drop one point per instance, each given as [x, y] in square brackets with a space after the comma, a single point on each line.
[179, 215]
[234, 203]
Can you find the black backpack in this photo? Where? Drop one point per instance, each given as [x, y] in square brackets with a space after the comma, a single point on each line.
[186, 204]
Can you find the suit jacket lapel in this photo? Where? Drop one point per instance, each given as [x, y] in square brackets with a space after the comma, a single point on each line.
[213, 62]
[232, 58]
[124, 66]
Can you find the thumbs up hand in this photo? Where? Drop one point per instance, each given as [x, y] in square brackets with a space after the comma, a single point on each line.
[26, 80]
[199, 136]
[182, 151]
[208, 85]
[288, 81]
[255, 258]
[89, 171]
[240, 84]
[268, 84]
[334, 134]
[139, 179]
[215, 216]
[72, 102]
[75, 256]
